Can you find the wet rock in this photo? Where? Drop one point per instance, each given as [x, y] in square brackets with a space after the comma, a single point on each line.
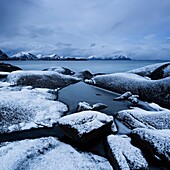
[99, 106]
[61, 70]
[123, 155]
[8, 67]
[155, 143]
[42, 79]
[157, 91]
[139, 118]
[26, 109]
[48, 153]
[86, 125]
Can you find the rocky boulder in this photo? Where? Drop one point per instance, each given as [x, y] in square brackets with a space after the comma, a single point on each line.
[123, 155]
[8, 67]
[61, 70]
[157, 91]
[42, 79]
[155, 143]
[139, 118]
[86, 125]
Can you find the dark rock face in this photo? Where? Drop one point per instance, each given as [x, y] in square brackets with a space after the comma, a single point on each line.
[139, 118]
[3, 56]
[61, 70]
[157, 91]
[42, 79]
[85, 126]
[123, 155]
[153, 143]
[8, 67]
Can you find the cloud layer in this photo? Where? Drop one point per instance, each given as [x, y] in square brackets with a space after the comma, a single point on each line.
[139, 29]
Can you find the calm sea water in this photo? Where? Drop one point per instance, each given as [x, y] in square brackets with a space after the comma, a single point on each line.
[93, 66]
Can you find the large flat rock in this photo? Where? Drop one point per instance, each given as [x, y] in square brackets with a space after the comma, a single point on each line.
[48, 153]
[86, 125]
[42, 79]
[28, 108]
[157, 91]
[123, 155]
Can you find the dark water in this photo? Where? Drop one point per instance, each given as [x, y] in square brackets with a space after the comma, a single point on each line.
[106, 66]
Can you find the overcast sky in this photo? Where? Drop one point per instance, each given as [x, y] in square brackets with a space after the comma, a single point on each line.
[139, 29]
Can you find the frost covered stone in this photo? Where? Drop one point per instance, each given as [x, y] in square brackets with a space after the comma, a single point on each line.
[139, 118]
[154, 142]
[123, 155]
[26, 109]
[42, 79]
[83, 106]
[157, 91]
[61, 70]
[48, 153]
[99, 106]
[154, 71]
[86, 125]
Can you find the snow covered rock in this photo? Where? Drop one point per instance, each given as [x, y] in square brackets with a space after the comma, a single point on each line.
[23, 56]
[99, 106]
[42, 79]
[154, 71]
[48, 153]
[84, 75]
[3, 56]
[86, 106]
[3, 74]
[153, 142]
[83, 106]
[157, 91]
[8, 67]
[139, 118]
[86, 125]
[123, 155]
[26, 109]
[61, 70]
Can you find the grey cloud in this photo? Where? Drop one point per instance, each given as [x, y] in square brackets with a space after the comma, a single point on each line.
[137, 28]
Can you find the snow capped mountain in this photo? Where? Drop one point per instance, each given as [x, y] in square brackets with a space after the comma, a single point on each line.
[115, 57]
[3, 56]
[23, 56]
[49, 57]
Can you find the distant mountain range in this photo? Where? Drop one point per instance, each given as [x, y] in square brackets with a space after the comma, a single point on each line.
[29, 56]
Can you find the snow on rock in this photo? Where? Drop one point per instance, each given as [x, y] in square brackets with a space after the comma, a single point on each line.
[123, 155]
[128, 96]
[154, 142]
[166, 71]
[25, 109]
[99, 106]
[83, 106]
[153, 70]
[86, 106]
[3, 74]
[61, 70]
[139, 118]
[157, 91]
[86, 125]
[42, 79]
[84, 75]
[48, 153]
